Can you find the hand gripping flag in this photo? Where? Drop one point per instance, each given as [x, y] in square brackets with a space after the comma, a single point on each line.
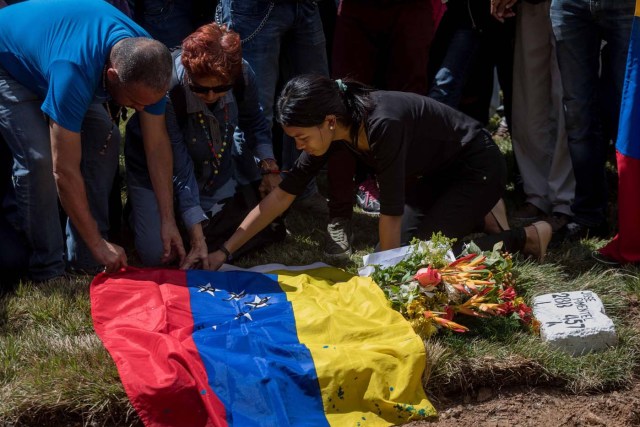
[310, 348]
[625, 246]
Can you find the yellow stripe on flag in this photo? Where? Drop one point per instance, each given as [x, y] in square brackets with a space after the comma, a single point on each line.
[368, 359]
[637, 8]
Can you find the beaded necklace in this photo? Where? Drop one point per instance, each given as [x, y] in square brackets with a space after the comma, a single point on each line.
[216, 156]
[103, 150]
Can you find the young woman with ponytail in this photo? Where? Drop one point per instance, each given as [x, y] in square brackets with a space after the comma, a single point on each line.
[438, 170]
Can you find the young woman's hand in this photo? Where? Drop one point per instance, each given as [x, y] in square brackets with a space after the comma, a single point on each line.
[216, 259]
[389, 228]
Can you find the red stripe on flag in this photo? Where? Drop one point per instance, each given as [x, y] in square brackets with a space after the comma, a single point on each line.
[145, 322]
[625, 247]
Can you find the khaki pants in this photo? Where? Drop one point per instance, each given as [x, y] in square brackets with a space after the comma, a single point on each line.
[538, 129]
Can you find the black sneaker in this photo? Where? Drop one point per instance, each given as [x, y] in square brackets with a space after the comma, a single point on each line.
[604, 260]
[338, 238]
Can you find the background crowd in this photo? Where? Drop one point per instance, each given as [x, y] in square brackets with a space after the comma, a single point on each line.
[201, 158]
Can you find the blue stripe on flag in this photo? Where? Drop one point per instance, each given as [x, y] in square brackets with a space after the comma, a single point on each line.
[244, 330]
[629, 129]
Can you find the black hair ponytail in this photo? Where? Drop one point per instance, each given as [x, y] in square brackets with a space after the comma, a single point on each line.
[308, 99]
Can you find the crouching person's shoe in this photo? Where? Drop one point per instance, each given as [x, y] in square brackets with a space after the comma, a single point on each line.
[338, 238]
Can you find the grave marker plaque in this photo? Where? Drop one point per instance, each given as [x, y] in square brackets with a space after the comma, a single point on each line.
[574, 322]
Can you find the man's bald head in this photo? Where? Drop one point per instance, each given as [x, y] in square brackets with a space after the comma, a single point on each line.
[142, 61]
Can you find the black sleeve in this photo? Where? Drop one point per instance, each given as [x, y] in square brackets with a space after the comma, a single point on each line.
[388, 144]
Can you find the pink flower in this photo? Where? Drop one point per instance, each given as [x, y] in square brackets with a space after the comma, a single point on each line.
[428, 276]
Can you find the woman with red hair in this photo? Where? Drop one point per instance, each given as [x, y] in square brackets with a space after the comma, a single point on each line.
[221, 145]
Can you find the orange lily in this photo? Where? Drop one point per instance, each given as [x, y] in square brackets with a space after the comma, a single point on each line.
[456, 327]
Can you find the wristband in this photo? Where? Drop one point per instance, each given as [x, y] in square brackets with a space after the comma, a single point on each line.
[267, 172]
[225, 251]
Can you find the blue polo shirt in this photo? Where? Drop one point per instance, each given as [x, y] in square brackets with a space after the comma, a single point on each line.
[58, 50]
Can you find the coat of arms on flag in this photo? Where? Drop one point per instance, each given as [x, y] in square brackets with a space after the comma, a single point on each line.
[315, 347]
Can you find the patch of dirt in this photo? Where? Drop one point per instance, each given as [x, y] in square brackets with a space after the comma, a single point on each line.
[539, 407]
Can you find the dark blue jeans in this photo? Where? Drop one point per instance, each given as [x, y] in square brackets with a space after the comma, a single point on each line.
[452, 74]
[168, 21]
[34, 196]
[580, 27]
[279, 40]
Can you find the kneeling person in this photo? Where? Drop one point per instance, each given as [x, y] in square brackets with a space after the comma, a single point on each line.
[438, 169]
[54, 76]
[213, 94]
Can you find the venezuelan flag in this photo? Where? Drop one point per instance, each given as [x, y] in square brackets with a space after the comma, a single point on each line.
[312, 348]
[625, 246]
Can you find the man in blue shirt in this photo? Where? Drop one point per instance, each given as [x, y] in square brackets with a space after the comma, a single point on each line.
[77, 56]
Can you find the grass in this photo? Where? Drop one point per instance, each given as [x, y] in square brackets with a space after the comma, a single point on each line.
[55, 371]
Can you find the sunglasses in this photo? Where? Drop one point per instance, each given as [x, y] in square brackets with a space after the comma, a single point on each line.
[204, 89]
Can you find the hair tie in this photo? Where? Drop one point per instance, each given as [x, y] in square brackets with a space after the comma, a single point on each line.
[341, 86]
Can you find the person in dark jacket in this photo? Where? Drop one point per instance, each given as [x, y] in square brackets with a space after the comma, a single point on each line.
[213, 93]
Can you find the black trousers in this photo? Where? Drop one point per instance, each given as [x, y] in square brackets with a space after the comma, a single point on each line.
[224, 223]
[456, 200]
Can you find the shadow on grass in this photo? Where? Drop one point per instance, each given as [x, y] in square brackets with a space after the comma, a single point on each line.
[70, 416]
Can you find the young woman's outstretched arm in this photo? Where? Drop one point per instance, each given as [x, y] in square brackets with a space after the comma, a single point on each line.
[262, 215]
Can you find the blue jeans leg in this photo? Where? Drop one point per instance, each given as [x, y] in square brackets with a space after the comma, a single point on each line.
[290, 42]
[579, 27]
[26, 133]
[145, 222]
[303, 53]
[260, 46]
[169, 21]
[98, 166]
[14, 255]
[452, 75]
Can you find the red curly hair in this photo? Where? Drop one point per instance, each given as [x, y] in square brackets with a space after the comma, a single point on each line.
[213, 51]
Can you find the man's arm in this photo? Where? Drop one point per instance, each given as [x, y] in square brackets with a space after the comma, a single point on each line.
[67, 155]
[160, 164]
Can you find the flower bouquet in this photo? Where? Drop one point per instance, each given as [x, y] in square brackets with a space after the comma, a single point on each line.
[431, 290]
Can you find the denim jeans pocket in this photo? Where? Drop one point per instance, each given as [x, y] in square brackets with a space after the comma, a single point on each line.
[159, 11]
[256, 9]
